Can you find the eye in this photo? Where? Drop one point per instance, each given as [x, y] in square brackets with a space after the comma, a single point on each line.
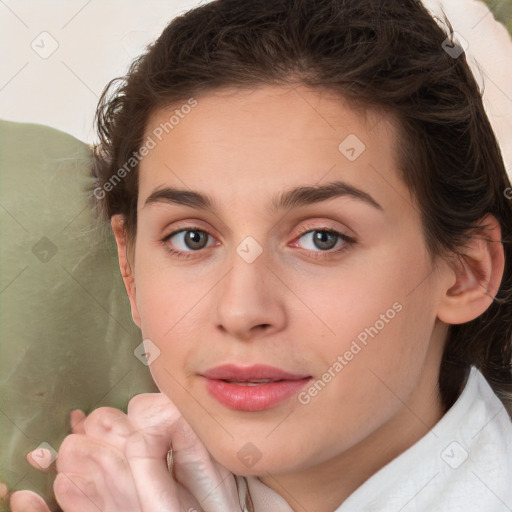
[324, 240]
[186, 241]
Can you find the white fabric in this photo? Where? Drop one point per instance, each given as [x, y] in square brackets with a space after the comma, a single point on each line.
[464, 464]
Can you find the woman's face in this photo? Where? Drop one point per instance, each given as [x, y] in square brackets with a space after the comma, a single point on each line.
[308, 256]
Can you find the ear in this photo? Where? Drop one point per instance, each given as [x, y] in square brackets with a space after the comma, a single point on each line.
[117, 224]
[478, 274]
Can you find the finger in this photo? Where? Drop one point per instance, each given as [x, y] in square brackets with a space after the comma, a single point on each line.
[4, 496]
[160, 421]
[151, 415]
[154, 414]
[155, 486]
[76, 493]
[76, 420]
[108, 425]
[94, 473]
[27, 501]
[210, 483]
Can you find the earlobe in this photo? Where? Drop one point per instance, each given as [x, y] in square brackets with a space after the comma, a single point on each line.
[478, 274]
[117, 224]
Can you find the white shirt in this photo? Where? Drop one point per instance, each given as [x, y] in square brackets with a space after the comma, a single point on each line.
[464, 464]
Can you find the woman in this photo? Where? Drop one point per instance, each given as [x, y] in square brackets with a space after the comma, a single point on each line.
[313, 222]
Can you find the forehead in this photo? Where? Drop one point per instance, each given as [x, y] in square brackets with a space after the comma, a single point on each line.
[249, 143]
[315, 113]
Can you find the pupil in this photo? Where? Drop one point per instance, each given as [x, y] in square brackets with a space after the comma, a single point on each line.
[321, 239]
[194, 239]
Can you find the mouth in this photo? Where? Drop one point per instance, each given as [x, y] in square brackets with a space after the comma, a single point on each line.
[250, 382]
[258, 373]
[252, 388]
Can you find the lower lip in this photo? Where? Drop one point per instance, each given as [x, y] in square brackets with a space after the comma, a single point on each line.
[254, 398]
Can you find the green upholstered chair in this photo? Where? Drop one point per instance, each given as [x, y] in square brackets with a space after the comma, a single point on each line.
[66, 334]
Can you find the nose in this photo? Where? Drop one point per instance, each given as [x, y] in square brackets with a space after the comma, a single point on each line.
[250, 299]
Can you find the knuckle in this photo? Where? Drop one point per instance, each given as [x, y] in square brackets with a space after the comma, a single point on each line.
[104, 419]
[149, 410]
[67, 451]
[140, 402]
[69, 445]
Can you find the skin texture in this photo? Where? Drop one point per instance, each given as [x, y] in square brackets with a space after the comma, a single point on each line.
[115, 462]
[296, 306]
[288, 308]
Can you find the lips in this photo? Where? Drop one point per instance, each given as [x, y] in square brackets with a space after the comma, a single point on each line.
[259, 372]
[252, 388]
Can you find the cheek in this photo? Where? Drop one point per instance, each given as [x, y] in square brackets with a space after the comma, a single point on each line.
[371, 343]
[166, 318]
[364, 379]
[166, 297]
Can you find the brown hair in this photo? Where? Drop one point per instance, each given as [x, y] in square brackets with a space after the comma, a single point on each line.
[383, 54]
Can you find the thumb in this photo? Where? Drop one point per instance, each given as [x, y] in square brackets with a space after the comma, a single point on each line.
[211, 483]
[27, 501]
[160, 423]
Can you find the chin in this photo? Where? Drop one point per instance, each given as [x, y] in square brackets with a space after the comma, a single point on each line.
[250, 462]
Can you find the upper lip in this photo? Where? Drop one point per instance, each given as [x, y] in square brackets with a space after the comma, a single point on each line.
[254, 372]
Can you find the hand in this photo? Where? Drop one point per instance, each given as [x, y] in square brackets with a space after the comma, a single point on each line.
[116, 462]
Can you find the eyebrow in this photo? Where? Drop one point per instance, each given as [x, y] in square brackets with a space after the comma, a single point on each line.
[294, 198]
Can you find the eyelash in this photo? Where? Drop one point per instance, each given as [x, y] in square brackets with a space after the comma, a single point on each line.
[349, 241]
